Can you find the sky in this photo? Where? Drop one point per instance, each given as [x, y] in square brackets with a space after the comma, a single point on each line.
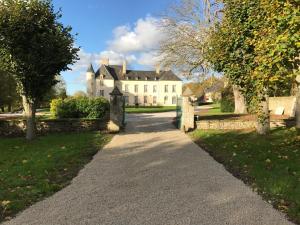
[114, 29]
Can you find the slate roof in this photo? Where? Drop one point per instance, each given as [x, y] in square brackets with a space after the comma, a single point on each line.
[115, 72]
[90, 69]
[116, 91]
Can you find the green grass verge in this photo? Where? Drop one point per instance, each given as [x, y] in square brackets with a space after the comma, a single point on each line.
[216, 110]
[270, 164]
[31, 171]
[150, 109]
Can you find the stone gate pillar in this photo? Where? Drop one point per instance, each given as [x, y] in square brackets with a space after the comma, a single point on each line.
[117, 112]
[188, 113]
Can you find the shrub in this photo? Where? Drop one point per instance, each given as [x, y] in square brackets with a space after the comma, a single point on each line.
[227, 100]
[54, 106]
[80, 107]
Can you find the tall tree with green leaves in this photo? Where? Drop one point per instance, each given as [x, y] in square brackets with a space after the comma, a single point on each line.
[256, 45]
[34, 47]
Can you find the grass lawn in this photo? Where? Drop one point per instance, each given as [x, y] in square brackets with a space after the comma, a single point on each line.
[270, 165]
[31, 171]
[150, 109]
[215, 110]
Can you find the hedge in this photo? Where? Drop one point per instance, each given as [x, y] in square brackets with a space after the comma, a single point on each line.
[80, 107]
[227, 100]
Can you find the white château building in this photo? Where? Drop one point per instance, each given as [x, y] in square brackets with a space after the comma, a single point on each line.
[139, 87]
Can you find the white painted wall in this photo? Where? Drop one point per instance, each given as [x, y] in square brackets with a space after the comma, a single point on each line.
[160, 93]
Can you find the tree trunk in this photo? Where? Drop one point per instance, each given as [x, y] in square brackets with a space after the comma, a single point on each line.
[263, 117]
[29, 112]
[298, 108]
[9, 108]
[239, 101]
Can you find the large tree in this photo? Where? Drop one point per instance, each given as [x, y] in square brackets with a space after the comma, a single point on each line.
[34, 47]
[256, 46]
[59, 90]
[187, 25]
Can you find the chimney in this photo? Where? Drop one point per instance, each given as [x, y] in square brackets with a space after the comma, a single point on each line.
[104, 61]
[158, 69]
[124, 67]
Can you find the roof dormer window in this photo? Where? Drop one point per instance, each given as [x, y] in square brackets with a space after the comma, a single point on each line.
[146, 78]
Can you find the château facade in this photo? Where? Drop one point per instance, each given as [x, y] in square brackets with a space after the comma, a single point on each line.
[144, 88]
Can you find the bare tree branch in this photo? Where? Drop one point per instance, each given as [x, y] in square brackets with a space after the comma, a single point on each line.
[186, 26]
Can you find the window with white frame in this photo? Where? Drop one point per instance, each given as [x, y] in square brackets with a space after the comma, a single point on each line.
[165, 99]
[145, 88]
[145, 99]
[126, 88]
[174, 100]
[154, 100]
[166, 88]
[102, 93]
[154, 88]
[136, 88]
[136, 100]
[174, 88]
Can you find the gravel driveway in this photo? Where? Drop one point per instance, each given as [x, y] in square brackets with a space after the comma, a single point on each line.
[152, 174]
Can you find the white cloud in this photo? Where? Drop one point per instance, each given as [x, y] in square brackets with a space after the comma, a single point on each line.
[85, 59]
[144, 36]
[136, 44]
[117, 58]
[149, 58]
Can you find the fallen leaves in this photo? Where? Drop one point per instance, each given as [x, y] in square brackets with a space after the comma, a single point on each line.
[5, 203]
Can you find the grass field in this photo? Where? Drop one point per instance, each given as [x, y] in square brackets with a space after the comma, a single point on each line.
[150, 109]
[214, 110]
[269, 164]
[31, 171]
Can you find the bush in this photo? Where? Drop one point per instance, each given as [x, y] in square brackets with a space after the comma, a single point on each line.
[80, 107]
[227, 100]
[54, 106]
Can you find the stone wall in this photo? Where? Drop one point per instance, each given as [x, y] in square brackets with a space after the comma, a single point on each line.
[238, 124]
[13, 128]
[224, 124]
[288, 103]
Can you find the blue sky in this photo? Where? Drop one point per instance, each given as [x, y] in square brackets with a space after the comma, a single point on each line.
[115, 29]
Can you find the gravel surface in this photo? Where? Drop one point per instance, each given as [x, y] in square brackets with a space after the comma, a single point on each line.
[152, 174]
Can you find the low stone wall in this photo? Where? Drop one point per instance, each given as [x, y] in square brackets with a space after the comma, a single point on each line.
[238, 124]
[13, 128]
[288, 103]
[224, 124]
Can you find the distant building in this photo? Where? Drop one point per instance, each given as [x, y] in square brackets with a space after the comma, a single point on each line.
[213, 93]
[139, 87]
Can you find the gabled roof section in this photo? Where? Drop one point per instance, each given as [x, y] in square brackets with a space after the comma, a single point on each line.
[116, 91]
[169, 75]
[115, 72]
[105, 72]
[90, 69]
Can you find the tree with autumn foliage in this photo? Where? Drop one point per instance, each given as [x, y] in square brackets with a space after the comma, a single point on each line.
[256, 45]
